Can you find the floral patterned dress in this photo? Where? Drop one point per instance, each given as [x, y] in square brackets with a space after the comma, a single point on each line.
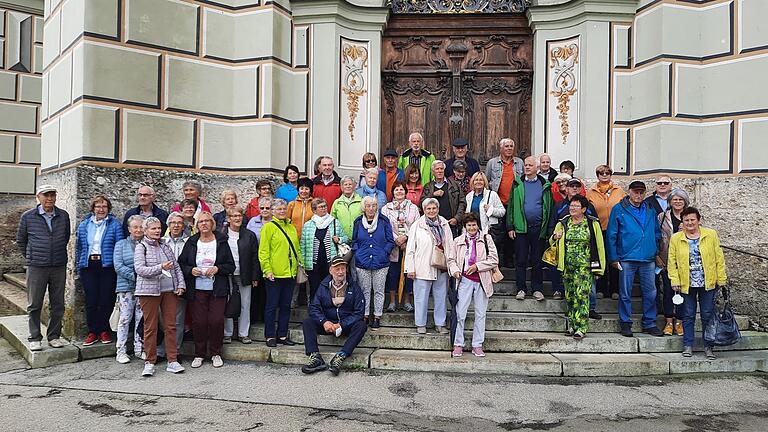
[577, 277]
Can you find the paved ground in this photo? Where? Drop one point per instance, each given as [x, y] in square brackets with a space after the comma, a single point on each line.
[103, 395]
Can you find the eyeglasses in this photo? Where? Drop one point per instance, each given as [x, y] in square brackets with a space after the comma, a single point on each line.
[264, 208]
[145, 194]
[660, 183]
[176, 223]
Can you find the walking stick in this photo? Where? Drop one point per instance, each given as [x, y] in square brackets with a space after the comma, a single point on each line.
[401, 279]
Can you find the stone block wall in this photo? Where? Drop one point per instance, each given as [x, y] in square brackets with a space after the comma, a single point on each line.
[686, 93]
[21, 67]
[213, 86]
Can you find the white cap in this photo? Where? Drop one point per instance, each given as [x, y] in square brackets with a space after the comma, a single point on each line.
[45, 189]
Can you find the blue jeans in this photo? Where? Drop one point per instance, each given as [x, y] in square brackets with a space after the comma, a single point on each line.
[706, 300]
[645, 270]
[279, 294]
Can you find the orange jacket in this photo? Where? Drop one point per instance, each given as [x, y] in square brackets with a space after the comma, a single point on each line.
[604, 202]
[299, 212]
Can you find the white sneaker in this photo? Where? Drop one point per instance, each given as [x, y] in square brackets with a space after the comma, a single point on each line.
[217, 361]
[141, 355]
[174, 367]
[58, 343]
[520, 295]
[197, 362]
[122, 358]
[35, 346]
[149, 370]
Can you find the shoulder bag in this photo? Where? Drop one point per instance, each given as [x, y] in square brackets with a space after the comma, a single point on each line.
[343, 249]
[301, 274]
[497, 276]
[722, 329]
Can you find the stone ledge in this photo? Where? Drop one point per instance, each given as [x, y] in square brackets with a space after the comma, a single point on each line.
[15, 329]
[612, 365]
[441, 361]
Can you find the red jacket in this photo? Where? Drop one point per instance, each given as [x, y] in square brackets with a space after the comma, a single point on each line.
[330, 192]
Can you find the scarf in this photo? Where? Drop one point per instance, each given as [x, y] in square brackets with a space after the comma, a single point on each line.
[437, 230]
[369, 191]
[322, 222]
[472, 258]
[370, 226]
[603, 189]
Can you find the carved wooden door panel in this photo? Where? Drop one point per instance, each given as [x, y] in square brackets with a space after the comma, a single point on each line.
[452, 76]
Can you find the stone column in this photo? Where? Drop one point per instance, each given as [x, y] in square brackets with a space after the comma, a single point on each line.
[572, 77]
[345, 59]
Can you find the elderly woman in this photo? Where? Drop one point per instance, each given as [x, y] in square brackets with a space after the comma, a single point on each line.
[126, 285]
[347, 208]
[372, 242]
[414, 188]
[207, 264]
[581, 257]
[558, 188]
[175, 238]
[228, 201]
[245, 251]
[402, 213]
[484, 202]
[188, 214]
[279, 260]
[193, 190]
[320, 239]
[96, 238]
[300, 209]
[159, 282]
[255, 224]
[430, 245]
[263, 190]
[369, 161]
[368, 188]
[670, 222]
[696, 267]
[289, 190]
[472, 264]
[603, 196]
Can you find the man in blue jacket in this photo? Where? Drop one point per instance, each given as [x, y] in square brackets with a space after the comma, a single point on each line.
[633, 237]
[337, 309]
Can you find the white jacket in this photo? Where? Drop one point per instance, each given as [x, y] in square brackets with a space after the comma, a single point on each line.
[497, 209]
[421, 244]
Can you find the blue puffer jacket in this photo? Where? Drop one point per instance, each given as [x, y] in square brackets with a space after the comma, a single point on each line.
[372, 250]
[112, 234]
[123, 260]
[322, 309]
[628, 240]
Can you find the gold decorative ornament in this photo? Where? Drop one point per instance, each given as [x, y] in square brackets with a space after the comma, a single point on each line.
[563, 61]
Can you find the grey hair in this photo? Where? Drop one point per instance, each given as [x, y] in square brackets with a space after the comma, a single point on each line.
[237, 208]
[368, 198]
[506, 140]
[268, 199]
[437, 162]
[545, 154]
[148, 187]
[317, 201]
[135, 218]
[429, 201]
[279, 202]
[562, 176]
[195, 184]
[372, 171]
[413, 134]
[150, 220]
[535, 160]
[677, 192]
[173, 215]
[347, 178]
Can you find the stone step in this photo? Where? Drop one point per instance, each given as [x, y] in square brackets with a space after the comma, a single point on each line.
[17, 279]
[15, 329]
[750, 340]
[523, 364]
[508, 303]
[13, 298]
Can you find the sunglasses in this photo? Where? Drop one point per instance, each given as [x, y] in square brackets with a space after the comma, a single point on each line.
[662, 183]
[604, 173]
[370, 161]
[264, 208]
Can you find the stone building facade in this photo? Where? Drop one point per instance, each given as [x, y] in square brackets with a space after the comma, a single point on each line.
[105, 95]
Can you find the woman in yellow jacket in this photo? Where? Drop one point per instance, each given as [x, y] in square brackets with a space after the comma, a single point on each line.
[696, 266]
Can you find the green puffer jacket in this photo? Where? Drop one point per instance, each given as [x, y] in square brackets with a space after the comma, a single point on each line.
[516, 213]
[346, 210]
[275, 254]
[426, 164]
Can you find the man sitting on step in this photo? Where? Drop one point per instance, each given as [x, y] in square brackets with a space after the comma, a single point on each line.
[337, 309]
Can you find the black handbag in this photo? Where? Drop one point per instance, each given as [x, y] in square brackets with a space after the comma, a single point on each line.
[722, 329]
[232, 309]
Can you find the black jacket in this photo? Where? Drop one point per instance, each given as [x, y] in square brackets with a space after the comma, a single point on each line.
[248, 251]
[156, 212]
[654, 204]
[224, 261]
[551, 176]
[560, 210]
[43, 247]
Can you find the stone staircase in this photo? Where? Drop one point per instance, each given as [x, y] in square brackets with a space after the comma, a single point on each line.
[522, 338]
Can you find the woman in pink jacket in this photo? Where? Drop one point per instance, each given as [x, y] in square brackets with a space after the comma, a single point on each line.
[472, 265]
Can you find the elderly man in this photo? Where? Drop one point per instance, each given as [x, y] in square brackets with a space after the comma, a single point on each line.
[43, 235]
[192, 190]
[337, 309]
[658, 200]
[545, 167]
[460, 150]
[327, 184]
[502, 170]
[527, 217]
[145, 197]
[633, 236]
[416, 155]
[389, 174]
[449, 194]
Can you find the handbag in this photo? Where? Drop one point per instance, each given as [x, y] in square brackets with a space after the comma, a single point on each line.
[234, 302]
[438, 260]
[301, 274]
[114, 318]
[343, 249]
[722, 329]
[550, 255]
[496, 276]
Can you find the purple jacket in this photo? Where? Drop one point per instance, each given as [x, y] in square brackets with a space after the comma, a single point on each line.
[148, 260]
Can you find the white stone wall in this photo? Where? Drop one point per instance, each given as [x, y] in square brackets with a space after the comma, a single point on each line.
[219, 86]
[21, 66]
[686, 88]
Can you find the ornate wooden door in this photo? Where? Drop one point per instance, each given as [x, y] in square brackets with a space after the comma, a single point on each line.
[457, 75]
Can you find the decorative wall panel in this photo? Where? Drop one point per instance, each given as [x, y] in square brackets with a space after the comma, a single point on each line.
[563, 92]
[354, 100]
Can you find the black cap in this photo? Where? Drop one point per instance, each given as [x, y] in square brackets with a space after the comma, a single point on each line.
[338, 260]
[460, 142]
[637, 184]
[390, 152]
[459, 165]
[574, 182]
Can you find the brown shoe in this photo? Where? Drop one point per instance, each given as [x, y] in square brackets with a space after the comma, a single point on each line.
[679, 328]
[668, 329]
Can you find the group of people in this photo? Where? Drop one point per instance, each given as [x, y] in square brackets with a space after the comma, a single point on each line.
[413, 228]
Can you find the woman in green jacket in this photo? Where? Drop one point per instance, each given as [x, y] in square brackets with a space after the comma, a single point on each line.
[278, 255]
[580, 256]
[347, 207]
